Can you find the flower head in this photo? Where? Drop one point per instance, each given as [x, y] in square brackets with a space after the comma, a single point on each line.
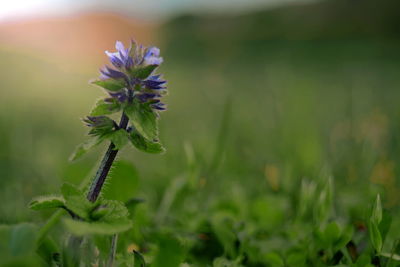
[133, 69]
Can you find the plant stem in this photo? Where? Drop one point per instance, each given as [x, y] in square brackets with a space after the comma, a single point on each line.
[113, 250]
[48, 225]
[105, 166]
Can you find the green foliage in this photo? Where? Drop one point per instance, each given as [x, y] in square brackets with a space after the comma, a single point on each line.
[83, 148]
[143, 72]
[46, 202]
[170, 252]
[139, 260]
[110, 84]
[119, 138]
[376, 227]
[18, 245]
[103, 107]
[145, 145]
[143, 118]
[97, 227]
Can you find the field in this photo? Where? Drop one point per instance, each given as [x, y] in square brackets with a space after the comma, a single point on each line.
[276, 154]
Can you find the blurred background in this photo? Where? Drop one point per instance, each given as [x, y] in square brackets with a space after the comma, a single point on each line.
[263, 96]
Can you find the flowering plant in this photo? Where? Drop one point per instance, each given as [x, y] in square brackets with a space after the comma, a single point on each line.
[134, 91]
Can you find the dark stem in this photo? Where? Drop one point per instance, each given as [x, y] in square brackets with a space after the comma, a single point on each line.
[105, 166]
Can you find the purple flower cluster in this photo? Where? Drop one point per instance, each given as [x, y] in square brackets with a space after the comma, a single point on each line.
[135, 66]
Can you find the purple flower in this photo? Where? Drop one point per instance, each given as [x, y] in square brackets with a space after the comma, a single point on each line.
[154, 83]
[127, 63]
[152, 56]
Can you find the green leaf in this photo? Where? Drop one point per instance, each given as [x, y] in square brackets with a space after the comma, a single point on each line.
[76, 201]
[116, 210]
[80, 206]
[119, 138]
[363, 260]
[145, 145]
[47, 249]
[83, 148]
[46, 202]
[110, 84]
[346, 236]
[103, 107]
[170, 252]
[139, 260]
[143, 72]
[375, 235]
[332, 233]
[376, 215]
[98, 227]
[274, 259]
[296, 259]
[104, 217]
[222, 225]
[324, 202]
[384, 225]
[100, 125]
[143, 118]
[68, 190]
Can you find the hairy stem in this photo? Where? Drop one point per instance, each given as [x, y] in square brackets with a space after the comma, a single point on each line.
[105, 166]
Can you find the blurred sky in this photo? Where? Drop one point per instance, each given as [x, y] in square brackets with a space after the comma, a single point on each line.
[145, 9]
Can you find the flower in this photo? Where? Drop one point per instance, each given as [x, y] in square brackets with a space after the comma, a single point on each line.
[134, 66]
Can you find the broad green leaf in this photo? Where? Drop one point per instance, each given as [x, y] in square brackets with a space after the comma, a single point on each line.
[145, 145]
[46, 202]
[83, 148]
[100, 125]
[123, 181]
[376, 215]
[80, 206]
[170, 252]
[103, 107]
[139, 260]
[131, 205]
[331, 233]
[116, 210]
[68, 190]
[142, 72]
[119, 138]
[375, 236]
[143, 118]
[110, 84]
[346, 236]
[98, 227]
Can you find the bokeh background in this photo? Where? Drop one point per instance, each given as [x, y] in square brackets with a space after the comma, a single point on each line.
[265, 98]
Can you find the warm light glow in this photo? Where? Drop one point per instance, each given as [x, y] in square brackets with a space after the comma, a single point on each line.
[21, 8]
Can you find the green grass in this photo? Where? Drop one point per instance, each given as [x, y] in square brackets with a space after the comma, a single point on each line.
[266, 156]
